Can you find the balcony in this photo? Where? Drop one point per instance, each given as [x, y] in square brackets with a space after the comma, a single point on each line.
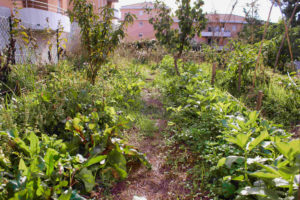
[215, 34]
[116, 14]
[38, 15]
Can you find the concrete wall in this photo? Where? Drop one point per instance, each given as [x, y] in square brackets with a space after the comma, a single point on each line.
[37, 19]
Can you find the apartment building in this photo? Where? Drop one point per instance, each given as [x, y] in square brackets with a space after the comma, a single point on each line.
[220, 27]
[141, 28]
[38, 15]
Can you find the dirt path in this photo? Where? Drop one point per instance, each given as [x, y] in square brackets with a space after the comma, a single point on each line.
[160, 183]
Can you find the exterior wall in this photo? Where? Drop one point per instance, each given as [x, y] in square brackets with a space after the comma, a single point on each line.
[140, 26]
[6, 3]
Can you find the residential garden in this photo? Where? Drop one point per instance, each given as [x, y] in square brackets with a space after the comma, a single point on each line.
[153, 119]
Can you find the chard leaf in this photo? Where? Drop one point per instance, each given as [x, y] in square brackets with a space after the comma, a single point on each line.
[23, 167]
[118, 161]
[95, 159]
[87, 177]
[66, 195]
[34, 144]
[50, 160]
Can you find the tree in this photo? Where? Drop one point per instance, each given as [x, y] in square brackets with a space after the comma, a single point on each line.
[99, 37]
[252, 31]
[191, 22]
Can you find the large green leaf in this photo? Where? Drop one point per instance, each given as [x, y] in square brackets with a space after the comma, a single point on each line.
[94, 160]
[221, 162]
[240, 139]
[21, 144]
[87, 177]
[118, 161]
[23, 167]
[232, 159]
[290, 149]
[288, 172]
[66, 195]
[34, 144]
[257, 140]
[261, 174]
[50, 160]
[259, 191]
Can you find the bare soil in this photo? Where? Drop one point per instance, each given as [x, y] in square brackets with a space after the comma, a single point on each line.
[159, 183]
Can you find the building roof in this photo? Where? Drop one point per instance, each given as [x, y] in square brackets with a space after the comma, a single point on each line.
[225, 18]
[222, 18]
[139, 5]
[212, 17]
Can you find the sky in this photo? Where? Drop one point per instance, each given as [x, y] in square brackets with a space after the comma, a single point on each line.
[222, 6]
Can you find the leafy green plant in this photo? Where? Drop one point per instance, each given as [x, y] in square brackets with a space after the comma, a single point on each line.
[191, 22]
[99, 36]
[244, 156]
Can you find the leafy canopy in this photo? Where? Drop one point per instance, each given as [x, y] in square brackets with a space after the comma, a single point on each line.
[191, 21]
[99, 35]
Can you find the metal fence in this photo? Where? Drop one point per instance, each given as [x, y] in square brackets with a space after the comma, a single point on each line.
[4, 32]
[25, 53]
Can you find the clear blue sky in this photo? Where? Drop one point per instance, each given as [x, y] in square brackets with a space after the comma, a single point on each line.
[223, 6]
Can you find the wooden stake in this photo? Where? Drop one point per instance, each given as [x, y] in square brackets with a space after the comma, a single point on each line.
[259, 100]
[240, 78]
[213, 76]
[285, 35]
[261, 44]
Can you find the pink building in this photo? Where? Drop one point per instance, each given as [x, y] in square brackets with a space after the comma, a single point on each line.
[141, 28]
[219, 28]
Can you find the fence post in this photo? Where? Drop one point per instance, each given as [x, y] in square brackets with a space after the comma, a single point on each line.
[12, 43]
[57, 44]
[240, 78]
[259, 100]
[213, 76]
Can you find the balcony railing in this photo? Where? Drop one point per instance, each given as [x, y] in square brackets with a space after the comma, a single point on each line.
[215, 34]
[39, 5]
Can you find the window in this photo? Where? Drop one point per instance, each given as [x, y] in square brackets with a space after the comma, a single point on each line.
[60, 6]
[141, 13]
[234, 28]
[141, 24]
[209, 29]
[140, 35]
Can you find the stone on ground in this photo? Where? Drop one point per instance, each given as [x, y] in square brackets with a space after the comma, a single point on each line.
[139, 198]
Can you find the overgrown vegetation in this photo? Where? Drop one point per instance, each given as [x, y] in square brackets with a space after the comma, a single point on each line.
[178, 39]
[64, 135]
[63, 127]
[241, 155]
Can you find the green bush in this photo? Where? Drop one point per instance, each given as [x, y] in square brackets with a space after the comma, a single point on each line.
[61, 135]
[242, 155]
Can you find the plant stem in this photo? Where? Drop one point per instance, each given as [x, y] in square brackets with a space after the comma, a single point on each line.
[246, 168]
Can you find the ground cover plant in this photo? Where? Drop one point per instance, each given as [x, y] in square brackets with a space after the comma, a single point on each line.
[244, 156]
[234, 74]
[62, 136]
